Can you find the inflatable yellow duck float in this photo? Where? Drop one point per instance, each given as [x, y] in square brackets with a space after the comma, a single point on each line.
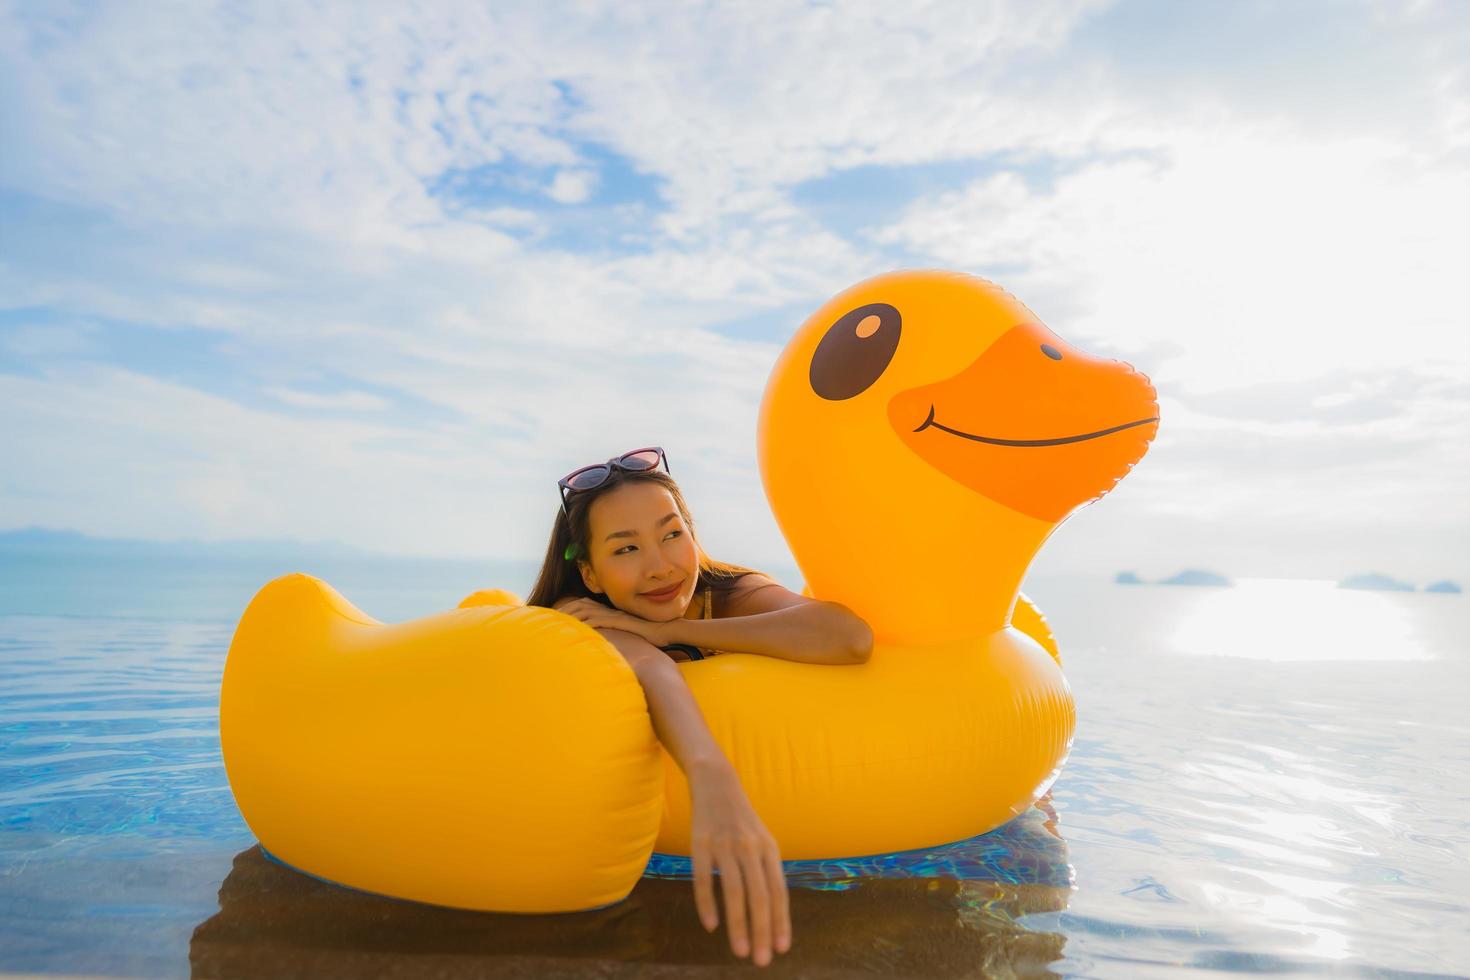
[920, 437]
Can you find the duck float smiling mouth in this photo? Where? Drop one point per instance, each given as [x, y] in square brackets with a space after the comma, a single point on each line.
[1001, 389]
[920, 437]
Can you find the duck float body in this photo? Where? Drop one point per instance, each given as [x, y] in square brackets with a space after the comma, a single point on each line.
[920, 437]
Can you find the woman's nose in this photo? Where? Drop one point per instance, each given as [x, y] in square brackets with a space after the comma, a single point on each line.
[661, 570]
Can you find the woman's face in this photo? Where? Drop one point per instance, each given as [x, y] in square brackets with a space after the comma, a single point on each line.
[640, 544]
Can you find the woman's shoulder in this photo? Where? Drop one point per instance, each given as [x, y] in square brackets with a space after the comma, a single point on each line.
[746, 583]
[760, 593]
[733, 592]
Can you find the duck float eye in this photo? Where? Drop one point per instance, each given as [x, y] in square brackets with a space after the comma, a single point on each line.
[855, 351]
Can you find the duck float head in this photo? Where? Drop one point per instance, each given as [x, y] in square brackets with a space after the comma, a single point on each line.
[920, 437]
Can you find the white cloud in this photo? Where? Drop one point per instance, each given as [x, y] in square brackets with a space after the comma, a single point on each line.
[276, 194]
[1261, 257]
[571, 186]
[354, 401]
[119, 453]
[355, 113]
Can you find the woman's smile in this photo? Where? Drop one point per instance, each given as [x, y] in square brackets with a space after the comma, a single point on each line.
[665, 595]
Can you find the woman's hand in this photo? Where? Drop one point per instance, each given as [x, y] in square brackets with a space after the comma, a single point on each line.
[596, 615]
[726, 833]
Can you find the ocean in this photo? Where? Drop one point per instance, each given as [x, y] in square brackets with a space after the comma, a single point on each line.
[1271, 778]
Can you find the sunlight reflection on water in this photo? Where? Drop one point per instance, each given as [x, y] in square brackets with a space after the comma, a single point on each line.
[1289, 763]
[1297, 619]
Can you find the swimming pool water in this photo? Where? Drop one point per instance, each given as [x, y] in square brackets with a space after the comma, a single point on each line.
[1247, 793]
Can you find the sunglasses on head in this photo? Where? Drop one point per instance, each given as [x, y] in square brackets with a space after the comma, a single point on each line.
[594, 476]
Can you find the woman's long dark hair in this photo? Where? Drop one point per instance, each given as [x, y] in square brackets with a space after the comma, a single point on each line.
[560, 576]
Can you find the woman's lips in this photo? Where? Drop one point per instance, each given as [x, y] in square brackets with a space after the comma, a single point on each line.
[666, 595]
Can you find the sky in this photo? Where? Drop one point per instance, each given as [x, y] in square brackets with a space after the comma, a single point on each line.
[380, 274]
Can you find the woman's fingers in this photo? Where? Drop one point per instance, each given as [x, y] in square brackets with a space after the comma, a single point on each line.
[729, 840]
[732, 886]
[780, 899]
[756, 889]
[749, 875]
[704, 887]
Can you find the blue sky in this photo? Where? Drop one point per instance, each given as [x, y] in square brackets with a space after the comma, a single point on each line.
[305, 270]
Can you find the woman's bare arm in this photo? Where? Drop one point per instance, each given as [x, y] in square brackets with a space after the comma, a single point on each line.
[726, 832]
[815, 633]
[676, 717]
[767, 618]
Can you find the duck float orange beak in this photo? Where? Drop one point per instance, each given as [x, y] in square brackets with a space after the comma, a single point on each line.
[920, 437]
[1011, 389]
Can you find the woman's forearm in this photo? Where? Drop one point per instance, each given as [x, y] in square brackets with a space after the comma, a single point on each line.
[677, 720]
[814, 633]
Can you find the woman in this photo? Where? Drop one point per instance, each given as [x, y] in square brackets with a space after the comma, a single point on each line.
[641, 579]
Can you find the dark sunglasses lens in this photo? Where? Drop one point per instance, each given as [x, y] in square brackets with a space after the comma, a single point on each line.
[645, 460]
[587, 479]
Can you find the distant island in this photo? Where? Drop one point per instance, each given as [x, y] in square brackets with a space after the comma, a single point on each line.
[1377, 582]
[1197, 576]
[1190, 576]
[1444, 586]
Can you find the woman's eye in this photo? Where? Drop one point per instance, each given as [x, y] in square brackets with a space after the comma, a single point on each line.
[627, 546]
